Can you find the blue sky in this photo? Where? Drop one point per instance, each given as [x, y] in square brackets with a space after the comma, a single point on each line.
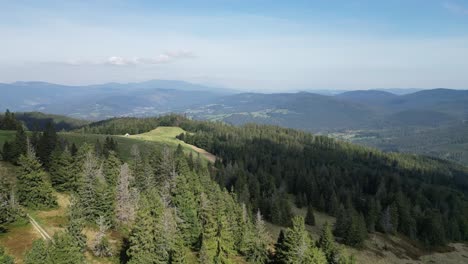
[251, 45]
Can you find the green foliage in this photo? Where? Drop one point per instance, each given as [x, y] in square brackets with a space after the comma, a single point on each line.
[61, 171]
[4, 258]
[8, 121]
[351, 226]
[327, 244]
[297, 246]
[147, 245]
[46, 144]
[259, 242]
[34, 189]
[9, 209]
[63, 250]
[76, 223]
[310, 217]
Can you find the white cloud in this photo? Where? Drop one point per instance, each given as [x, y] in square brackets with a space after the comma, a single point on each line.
[166, 57]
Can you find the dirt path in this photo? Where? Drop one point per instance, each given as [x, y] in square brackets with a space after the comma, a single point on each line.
[206, 154]
[38, 228]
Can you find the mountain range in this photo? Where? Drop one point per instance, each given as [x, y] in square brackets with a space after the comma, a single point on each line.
[360, 109]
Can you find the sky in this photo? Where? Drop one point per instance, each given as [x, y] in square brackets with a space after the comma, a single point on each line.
[256, 45]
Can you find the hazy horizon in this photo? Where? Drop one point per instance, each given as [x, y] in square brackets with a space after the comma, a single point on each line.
[250, 45]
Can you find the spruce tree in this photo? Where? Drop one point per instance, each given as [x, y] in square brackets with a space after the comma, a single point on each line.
[63, 250]
[327, 244]
[100, 245]
[47, 144]
[34, 189]
[184, 199]
[246, 232]
[87, 190]
[38, 253]
[258, 248]
[297, 246]
[310, 217]
[61, 171]
[126, 197]
[76, 223]
[19, 146]
[208, 245]
[144, 232]
[279, 256]
[111, 168]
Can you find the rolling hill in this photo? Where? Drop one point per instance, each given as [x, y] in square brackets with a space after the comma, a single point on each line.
[106, 100]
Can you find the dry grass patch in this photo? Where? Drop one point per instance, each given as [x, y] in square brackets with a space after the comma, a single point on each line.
[18, 240]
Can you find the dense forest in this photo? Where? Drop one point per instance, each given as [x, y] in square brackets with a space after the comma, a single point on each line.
[367, 190]
[164, 203]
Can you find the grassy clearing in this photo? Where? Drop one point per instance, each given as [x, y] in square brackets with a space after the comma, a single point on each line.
[19, 239]
[6, 135]
[167, 136]
[124, 143]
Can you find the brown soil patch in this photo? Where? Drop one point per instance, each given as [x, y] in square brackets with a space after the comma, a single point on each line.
[210, 157]
[18, 240]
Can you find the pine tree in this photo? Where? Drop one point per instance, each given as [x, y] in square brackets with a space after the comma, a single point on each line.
[297, 246]
[327, 244]
[184, 199]
[61, 171]
[38, 253]
[34, 190]
[76, 223]
[87, 191]
[126, 197]
[142, 237]
[280, 256]
[63, 250]
[111, 168]
[208, 245]
[100, 245]
[258, 248]
[357, 231]
[246, 231]
[47, 144]
[18, 147]
[310, 217]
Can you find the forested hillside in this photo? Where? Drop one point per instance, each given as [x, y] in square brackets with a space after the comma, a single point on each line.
[162, 206]
[368, 190]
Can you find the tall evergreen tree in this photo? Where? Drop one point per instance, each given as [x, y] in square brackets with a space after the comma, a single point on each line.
[63, 250]
[126, 197]
[34, 189]
[61, 171]
[297, 246]
[87, 190]
[185, 200]
[258, 248]
[327, 244]
[47, 144]
[310, 217]
[76, 223]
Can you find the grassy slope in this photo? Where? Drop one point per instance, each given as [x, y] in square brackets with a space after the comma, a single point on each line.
[167, 136]
[6, 135]
[155, 139]
[383, 249]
